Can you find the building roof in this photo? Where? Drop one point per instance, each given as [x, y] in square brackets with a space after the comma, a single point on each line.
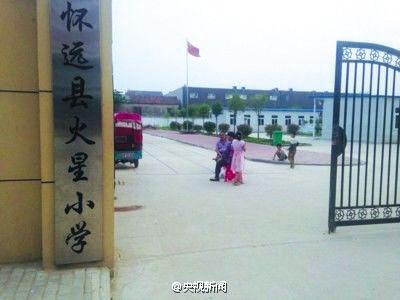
[281, 99]
[366, 95]
[144, 93]
[152, 100]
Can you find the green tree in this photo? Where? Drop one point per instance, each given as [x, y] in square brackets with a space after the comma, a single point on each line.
[182, 112]
[204, 111]
[119, 97]
[235, 105]
[257, 103]
[193, 113]
[173, 113]
[217, 110]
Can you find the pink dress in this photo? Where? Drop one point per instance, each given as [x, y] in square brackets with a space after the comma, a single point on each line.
[238, 155]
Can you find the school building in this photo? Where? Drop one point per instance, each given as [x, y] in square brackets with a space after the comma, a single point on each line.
[284, 107]
[378, 113]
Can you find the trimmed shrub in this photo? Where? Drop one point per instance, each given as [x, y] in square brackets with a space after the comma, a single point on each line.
[175, 125]
[198, 128]
[187, 125]
[245, 129]
[293, 129]
[224, 127]
[209, 127]
[269, 129]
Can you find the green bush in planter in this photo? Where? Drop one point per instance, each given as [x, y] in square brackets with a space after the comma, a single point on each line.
[293, 129]
[187, 125]
[198, 128]
[223, 127]
[245, 129]
[209, 127]
[175, 125]
[269, 129]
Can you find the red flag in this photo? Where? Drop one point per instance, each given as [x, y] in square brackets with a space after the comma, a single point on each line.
[192, 50]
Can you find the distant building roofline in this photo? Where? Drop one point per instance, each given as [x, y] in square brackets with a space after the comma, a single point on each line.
[152, 100]
[143, 93]
[325, 95]
[274, 90]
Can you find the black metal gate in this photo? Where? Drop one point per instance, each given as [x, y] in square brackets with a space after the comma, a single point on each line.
[365, 136]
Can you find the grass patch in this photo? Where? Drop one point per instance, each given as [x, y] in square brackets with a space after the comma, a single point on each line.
[305, 134]
[269, 142]
[263, 141]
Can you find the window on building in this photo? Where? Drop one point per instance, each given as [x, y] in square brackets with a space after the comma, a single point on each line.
[211, 96]
[261, 120]
[274, 120]
[243, 97]
[311, 119]
[247, 119]
[228, 96]
[232, 119]
[193, 95]
[301, 120]
[273, 98]
[288, 120]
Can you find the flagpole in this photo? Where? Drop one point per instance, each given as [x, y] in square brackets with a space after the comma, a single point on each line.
[187, 87]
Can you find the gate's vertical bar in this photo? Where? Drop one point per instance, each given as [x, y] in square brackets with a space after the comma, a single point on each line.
[383, 135]
[376, 135]
[344, 129]
[368, 132]
[360, 132]
[391, 137]
[335, 123]
[352, 131]
[397, 160]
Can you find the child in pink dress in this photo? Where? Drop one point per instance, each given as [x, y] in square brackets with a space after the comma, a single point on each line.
[239, 147]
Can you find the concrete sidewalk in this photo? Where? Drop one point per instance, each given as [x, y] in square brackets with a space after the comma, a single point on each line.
[29, 281]
[255, 152]
[267, 238]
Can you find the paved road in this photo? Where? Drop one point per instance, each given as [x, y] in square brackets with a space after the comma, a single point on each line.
[260, 153]
[268, 238]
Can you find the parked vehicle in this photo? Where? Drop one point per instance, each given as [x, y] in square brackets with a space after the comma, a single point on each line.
[128, 138]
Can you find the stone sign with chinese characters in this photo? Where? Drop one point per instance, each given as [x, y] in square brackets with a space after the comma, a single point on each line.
[77, 129]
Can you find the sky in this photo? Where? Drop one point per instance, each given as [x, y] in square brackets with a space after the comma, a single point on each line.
[258, 44]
